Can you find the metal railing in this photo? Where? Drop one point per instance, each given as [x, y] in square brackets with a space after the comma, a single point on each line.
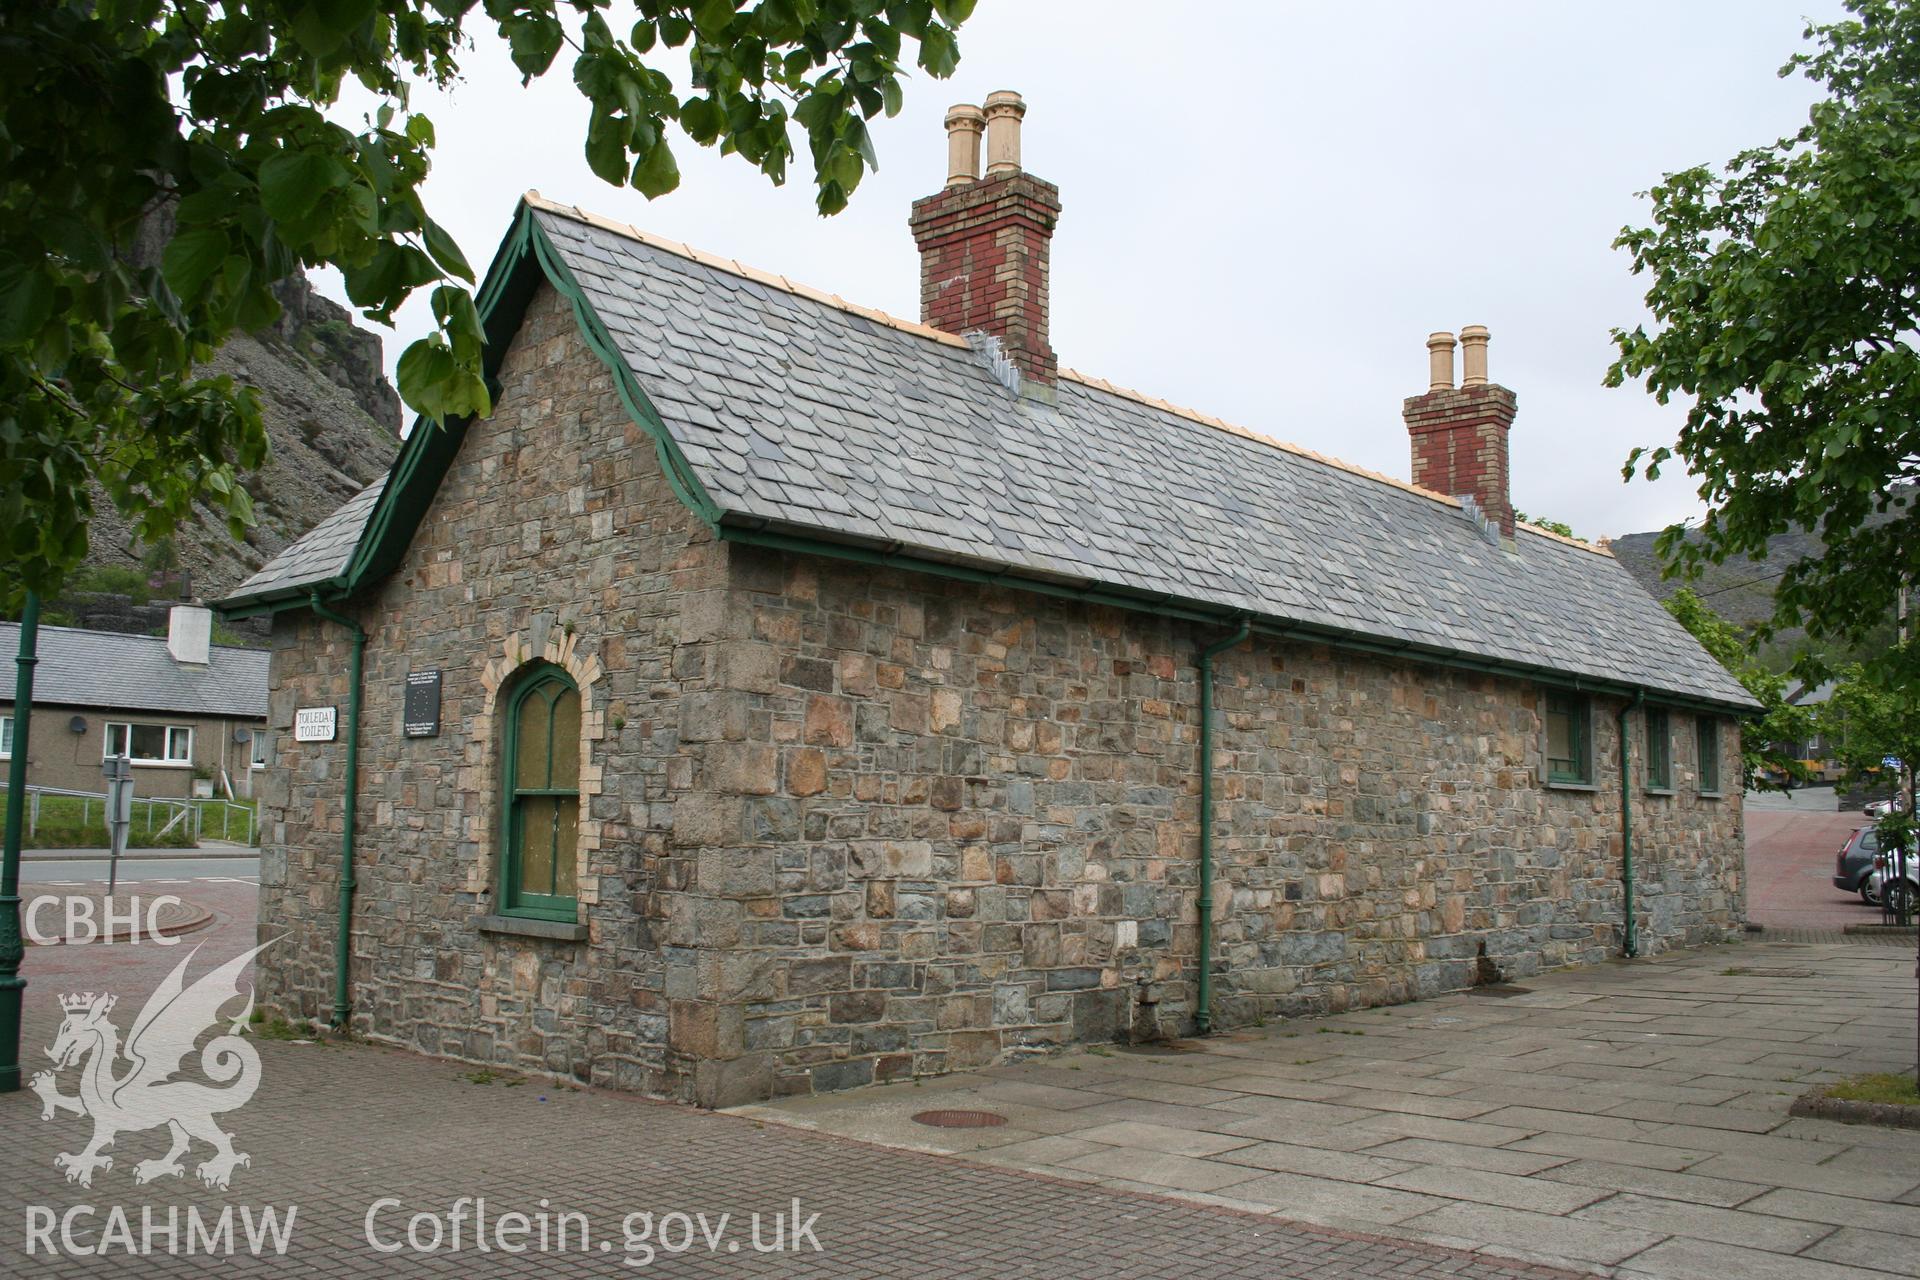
[155, 817]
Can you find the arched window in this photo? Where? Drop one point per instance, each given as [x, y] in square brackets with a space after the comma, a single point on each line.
[541, 811]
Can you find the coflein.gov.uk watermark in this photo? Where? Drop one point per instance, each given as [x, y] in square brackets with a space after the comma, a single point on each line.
[468, 1225]
[471, 1224]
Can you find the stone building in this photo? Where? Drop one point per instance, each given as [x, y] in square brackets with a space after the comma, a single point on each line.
[181, 709]
[825, 698]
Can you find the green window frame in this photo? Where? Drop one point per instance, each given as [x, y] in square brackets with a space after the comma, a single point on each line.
[1707, 738]
[1659, 750]
[1569, 744]
[540, 803]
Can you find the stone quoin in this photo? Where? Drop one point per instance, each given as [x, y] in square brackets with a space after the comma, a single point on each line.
[820, 700]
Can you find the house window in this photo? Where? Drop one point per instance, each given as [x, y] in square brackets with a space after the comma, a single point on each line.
[541, 813]
[6, 737]
[259, 742]
[1659, 751]
[1708, 730]
[1569, 739]
[151, 743]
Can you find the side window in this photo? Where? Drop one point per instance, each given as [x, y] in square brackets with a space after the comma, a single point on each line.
[1659, 751]
[541, 809]
[1708, 732]
[6, 736]
[1569, 738]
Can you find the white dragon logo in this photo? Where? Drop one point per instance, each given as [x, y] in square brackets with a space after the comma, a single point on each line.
[144, 1097]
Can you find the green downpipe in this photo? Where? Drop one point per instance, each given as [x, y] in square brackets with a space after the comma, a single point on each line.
[1626, 822]
[13, 987]
[343, 933]
[1203, 1017]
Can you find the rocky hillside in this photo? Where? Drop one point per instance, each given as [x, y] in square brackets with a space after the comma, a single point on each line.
[1741, 591]
[333, 421]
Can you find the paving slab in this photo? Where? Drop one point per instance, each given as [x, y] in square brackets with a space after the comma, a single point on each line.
[1748, 1228]
[1782, 1173]
[1842, 1211]
[1614, 1151]
[1286, 1157]
[1308, 1199]
[1603, 1243]
[1685, 1258]
[1536, 1194]
[1161, 1170]
[1687, 1187]
[1160, 1137]
[1853, 1247]
[1457, 1155]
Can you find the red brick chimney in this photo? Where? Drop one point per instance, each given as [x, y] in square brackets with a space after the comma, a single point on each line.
[984, 241]
[1460, 433]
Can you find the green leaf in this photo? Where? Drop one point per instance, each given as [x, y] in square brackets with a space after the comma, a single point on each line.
[939, 51]
[712, 17]
[191, 258]
[446, 252]
[655, 173]
[292, 183]
[26, 302]
[533, 41]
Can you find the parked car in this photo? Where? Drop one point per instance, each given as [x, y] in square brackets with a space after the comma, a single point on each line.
[1902, 894]
[1853, 868]
[1881, 808]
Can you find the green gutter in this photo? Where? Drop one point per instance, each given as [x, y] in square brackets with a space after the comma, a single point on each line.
[344, 932]
[13, 987]
[1203, 1015]
[1626, 824]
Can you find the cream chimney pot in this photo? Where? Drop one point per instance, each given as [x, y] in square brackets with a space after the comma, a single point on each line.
[964, 125]
[1439, 362]
[1473, 355]
[1004, 110]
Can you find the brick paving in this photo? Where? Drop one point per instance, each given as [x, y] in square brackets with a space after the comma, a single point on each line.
[335, 1128]
[1630, 1118]
[1790, 856]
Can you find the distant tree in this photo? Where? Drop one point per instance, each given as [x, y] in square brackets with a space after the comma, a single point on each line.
[1785, 286]
[1769, 761]
[212, 124]
[1866, 721]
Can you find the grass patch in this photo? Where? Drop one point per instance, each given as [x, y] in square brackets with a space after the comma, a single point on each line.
[278, 1028]
[1899, 1090]
[482, 1075]
[71, 822]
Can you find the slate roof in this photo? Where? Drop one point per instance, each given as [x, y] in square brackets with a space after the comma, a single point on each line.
[800, 413]
[323, 553]
[118, 672]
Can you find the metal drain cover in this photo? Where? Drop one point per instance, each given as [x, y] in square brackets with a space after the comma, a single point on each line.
[1742, 972]
[960, 1119]
[1499, 989]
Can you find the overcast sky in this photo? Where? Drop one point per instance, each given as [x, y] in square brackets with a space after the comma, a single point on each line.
[1267, 206]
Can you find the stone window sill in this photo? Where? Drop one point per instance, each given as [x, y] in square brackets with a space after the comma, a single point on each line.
[527, 927]
[1571, 786]
[1663, 792]
[1711, 795]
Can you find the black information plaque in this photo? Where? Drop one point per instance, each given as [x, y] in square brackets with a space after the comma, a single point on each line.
[421, 716]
